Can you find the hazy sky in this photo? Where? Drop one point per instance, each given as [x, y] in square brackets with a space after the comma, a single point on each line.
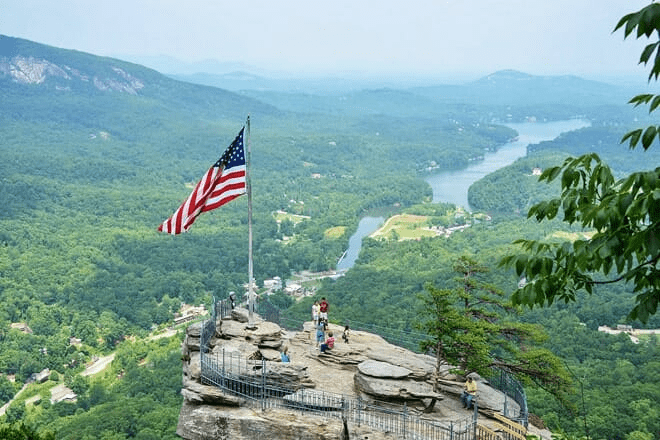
[405, 36]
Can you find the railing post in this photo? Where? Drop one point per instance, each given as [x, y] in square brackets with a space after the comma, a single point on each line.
[475, 420]
[344, 407]
[359, 408]
[405, 417]
[263, 384]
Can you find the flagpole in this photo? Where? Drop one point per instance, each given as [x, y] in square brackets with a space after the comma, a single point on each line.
[249, 194]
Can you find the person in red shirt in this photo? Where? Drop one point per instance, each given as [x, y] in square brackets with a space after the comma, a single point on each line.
[329, 343]
[323, 309]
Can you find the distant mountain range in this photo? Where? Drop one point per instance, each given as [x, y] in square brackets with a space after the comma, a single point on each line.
[27, 68]
[502, 88]
[510, 87]
[56, 70]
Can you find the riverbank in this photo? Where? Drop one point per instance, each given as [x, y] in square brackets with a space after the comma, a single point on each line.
[452, 186]
[414, 227]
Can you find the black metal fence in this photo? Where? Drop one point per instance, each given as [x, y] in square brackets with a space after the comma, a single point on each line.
[500, 379]
[250, 380]
[513, 389]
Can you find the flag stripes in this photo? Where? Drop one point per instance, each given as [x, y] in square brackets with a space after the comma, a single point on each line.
[222, 183]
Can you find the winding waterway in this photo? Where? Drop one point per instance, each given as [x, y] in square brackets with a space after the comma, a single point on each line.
[366, 226]
[452, 186]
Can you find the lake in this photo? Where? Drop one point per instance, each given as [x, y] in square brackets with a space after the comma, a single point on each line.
[452, 186]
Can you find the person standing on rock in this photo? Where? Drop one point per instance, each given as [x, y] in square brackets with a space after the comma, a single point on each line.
[315, 312]
[284, 354]
[323, 309]
[469, 393]
[320, 332]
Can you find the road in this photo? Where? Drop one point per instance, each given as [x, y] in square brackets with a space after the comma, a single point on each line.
[96, 367]
[4, 407]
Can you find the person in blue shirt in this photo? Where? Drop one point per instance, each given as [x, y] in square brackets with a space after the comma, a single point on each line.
[320, 332]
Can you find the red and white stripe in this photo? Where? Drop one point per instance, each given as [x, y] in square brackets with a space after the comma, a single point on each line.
[218, 187]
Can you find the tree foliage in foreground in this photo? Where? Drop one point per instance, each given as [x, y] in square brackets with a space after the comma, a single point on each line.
[624, 215]
[472, 328]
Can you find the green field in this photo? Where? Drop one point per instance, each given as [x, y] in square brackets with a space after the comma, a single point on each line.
[405, 227]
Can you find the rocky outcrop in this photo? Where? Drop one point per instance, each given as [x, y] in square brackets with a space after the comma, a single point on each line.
[367, 369]
[31, 70]
[205, 422]
[382, 380]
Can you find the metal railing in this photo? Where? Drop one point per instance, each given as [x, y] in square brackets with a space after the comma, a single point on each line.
[208, 328]
[500, 379]
[252, 381]
[513, 389]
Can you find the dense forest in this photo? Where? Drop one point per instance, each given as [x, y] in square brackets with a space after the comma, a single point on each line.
[88, 174]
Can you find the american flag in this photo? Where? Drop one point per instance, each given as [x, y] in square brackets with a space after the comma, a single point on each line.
[222, 183]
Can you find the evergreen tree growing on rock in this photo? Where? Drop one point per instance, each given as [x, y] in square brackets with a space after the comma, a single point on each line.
[472, 329]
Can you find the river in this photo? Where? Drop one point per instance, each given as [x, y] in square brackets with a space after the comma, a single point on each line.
[366, 226]
[452, 186]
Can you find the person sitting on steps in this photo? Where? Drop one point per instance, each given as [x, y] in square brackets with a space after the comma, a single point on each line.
[329, 343]
[469, 393]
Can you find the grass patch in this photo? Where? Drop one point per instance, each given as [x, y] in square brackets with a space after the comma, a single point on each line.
[295, 218]
[335, 232]
[572, 236]
[405, 227]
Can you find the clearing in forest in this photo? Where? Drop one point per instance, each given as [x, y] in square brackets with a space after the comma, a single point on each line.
[405, 227]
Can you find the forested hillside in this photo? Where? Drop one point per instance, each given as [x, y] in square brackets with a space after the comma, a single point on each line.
[98, 152]
[514, 189]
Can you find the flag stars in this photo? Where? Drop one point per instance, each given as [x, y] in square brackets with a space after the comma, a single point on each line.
[234, 155]
[221, 184]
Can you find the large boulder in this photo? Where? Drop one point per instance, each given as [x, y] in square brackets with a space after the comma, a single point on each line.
[194, 329]
[386, 381]
[230, 329]
[192, 367]
[191, 340]
[264, 333]
[394, 389]
[422, 367]
[195, 392]
[235, 348]
[382, 370]
[240, 315]
[290, 375]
